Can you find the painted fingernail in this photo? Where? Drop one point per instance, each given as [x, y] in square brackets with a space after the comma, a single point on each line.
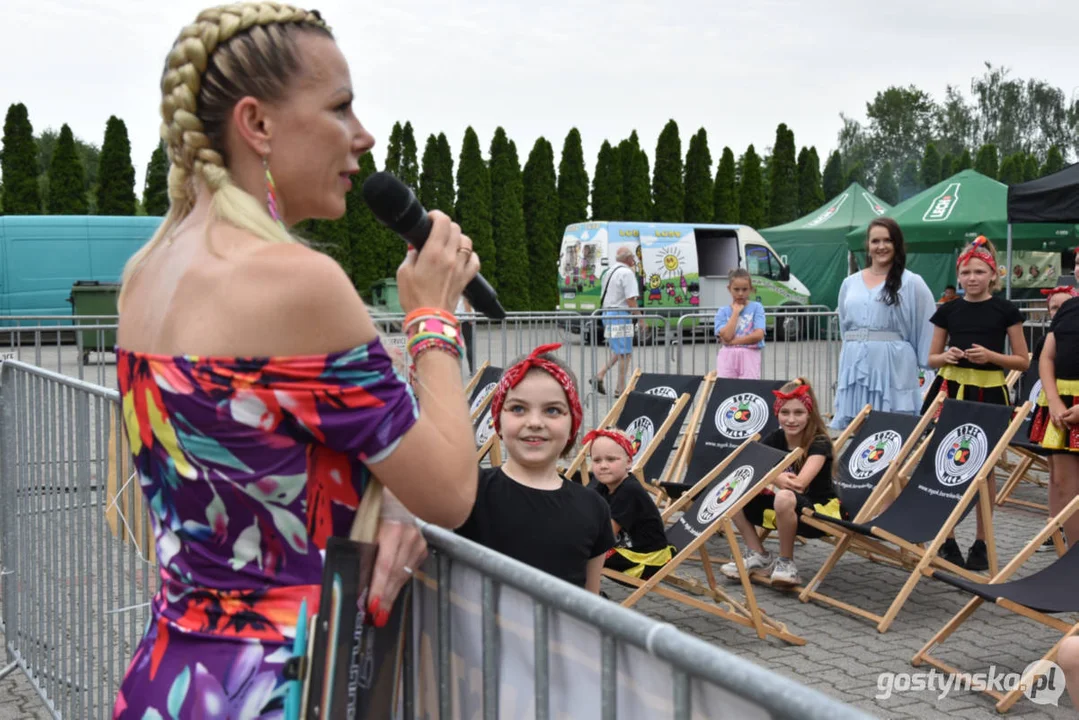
[382, 619]
[411, 247]
[372, 606]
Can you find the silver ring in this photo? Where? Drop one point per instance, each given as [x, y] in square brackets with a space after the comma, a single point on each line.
[407, 569]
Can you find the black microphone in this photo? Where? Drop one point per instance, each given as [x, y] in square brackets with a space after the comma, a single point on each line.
[396, 207]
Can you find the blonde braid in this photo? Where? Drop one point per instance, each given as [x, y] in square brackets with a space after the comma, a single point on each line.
[189, 148]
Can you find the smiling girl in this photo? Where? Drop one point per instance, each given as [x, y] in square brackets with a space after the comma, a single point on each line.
[525, 509]
[641, 546]
[808, 484]
[968, 347]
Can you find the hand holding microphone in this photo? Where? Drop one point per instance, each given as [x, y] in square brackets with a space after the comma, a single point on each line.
[442, 266]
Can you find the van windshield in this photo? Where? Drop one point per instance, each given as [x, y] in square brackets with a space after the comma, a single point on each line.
[761, 262]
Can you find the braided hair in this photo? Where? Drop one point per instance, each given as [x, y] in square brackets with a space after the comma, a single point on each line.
[229, 52]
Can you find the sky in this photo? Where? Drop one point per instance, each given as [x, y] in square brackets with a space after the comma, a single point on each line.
[541, 68]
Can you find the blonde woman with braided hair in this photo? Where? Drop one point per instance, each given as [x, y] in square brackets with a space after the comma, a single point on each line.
[258, 400]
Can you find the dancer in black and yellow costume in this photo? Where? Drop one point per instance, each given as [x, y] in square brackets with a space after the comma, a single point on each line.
[968, 347]
[641, 546]
[1056, 420]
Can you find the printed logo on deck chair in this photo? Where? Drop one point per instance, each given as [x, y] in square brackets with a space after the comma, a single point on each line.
[739, 416]
[874, 454]
[961, 455]
[724, 494]
[640, 431]
[486, 428]
[663, 391]
[481, 396]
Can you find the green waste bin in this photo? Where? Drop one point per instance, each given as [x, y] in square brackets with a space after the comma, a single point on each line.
[89, 298]
[384, 296]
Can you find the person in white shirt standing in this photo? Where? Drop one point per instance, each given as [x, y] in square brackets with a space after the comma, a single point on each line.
[618, 299]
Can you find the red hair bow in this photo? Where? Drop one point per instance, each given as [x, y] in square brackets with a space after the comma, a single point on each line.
[800, 393]
[1060, 290]
[977, 252]
[513, 376]
[620, 438]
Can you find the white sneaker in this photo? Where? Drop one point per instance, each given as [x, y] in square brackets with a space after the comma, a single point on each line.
[785, 572]
[753, 561]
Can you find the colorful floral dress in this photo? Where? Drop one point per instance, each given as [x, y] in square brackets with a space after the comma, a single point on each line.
[248, 466]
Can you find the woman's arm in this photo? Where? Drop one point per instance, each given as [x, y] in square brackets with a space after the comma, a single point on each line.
[593, 574]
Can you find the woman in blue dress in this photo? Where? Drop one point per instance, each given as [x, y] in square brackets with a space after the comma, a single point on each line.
[884, 314]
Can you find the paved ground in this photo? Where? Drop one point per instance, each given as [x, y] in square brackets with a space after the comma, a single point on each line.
[844, 656]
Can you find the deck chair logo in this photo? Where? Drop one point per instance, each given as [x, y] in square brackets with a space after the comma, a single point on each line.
[724, 494]
[874, 454]
[485, 429]
[640, 431]
[482, 396]
[742, 415]
[961, 455]
[665, 391]
[1035, 391]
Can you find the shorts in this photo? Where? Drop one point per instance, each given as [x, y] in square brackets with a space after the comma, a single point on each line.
[618, 330]
[761, 512]
[739, 361]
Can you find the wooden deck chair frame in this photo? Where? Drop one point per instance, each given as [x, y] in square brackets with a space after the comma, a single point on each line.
[748, 613]
[1052, 529]
[683, 453]
[888, 486]
[476, 378]
[492, 448]
[917, 558]
[1019, 469]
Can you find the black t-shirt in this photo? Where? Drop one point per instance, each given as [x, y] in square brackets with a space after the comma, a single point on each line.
[820, 487]
[1065, 329]
[557, 531]
[635, 512]
[982, 323]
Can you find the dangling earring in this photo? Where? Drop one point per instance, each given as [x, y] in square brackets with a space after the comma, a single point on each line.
[271, 192]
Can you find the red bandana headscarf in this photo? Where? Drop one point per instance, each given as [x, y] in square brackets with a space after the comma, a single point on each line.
[800, 393]
[620, 438]
[977, 252]
[1060, 290]
[513, 376]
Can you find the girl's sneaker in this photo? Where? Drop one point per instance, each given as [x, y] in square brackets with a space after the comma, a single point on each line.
[753, 560]
[785, 572]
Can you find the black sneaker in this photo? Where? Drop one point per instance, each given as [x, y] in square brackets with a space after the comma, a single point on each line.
[978, 558]
[597, 383]
[950, 552]
[1047, 545]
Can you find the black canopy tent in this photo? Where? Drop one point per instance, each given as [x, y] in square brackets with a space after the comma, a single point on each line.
[1053, 198]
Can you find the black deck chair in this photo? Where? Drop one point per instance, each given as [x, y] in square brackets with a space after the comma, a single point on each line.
[1055, 589]
[1028, 455]
[673, 387]
[736, 410]
[648, 420]
[967, 442]
[481, 389]
[723, 492]
[487, 442]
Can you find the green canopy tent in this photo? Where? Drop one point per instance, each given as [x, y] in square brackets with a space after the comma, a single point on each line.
[816, 245]
[947, 216]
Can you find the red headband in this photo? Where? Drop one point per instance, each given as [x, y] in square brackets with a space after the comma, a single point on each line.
[621, 439]
[800, 393]
[512, 377]
[1060, 290]
[977, 252]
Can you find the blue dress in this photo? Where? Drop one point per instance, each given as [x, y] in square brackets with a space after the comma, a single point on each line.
[883, 347]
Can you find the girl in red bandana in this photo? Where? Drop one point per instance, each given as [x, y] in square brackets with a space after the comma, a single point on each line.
[806, 485]
[641, 546]
[968, 348]
[525, 509]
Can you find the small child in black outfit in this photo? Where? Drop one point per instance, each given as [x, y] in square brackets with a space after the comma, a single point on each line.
[807, 485]
[972, 368]
[641, 546]
[525, 509]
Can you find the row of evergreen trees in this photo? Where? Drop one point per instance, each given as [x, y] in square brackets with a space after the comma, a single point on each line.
[515, 216]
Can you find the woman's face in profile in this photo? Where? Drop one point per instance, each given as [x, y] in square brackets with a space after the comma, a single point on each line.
[316, 138]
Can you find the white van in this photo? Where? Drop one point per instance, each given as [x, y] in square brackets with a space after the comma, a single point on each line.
[681, 266]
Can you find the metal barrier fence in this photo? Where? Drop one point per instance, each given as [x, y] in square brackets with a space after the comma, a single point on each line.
[77, 571]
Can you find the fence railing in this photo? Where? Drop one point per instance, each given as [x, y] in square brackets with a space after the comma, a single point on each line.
[77, 572]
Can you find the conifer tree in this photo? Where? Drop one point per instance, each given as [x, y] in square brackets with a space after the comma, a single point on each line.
[607, 185]
[783, 178]
[886, 189]
[987, 162]
[393, 150]
[810, 189]
[833, 176]
[725, 200]
[751, 191]
[19, 166]
[636, 192]
[116, 174]
[155, 195]
[430, 174]
[963, 163]
[572, 182]
[508, 223]
[699, 188]
[447, 194]
[409, 170]
[474, 204]
[541, 226]
[66, 178]
[931, 166]
[668, 190]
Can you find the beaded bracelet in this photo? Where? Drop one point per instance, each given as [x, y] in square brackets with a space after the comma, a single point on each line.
[428, 324]
[433, 343]
[424, 313]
